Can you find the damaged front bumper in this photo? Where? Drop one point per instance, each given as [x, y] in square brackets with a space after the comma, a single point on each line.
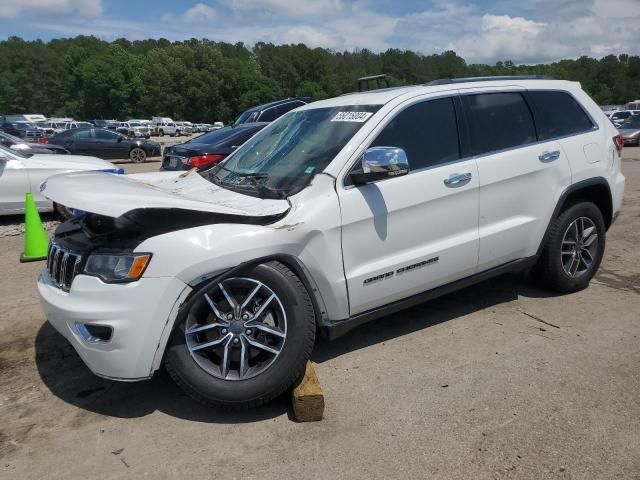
[137, 318]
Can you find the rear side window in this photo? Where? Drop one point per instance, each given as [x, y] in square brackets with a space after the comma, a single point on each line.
[558, 114]
[498, 121]
[427, 132]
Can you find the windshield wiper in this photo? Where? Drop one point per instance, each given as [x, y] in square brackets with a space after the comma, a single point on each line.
[253, 178]
[262, 188]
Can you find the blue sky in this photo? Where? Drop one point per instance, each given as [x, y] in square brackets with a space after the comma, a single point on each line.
[524, 31]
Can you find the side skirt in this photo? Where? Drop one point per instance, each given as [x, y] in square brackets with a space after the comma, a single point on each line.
[335, 329]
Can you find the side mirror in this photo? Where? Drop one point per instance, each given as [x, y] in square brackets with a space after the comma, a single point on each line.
[120, 138]
[379, 163]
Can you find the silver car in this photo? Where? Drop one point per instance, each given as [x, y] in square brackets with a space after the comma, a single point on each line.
[630, 130]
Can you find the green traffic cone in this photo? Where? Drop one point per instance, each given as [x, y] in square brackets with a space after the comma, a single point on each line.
[36, 242]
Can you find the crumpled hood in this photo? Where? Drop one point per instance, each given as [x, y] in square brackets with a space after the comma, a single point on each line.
[114, 195]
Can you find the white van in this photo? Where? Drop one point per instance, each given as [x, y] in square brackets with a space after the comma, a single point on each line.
[163, 126]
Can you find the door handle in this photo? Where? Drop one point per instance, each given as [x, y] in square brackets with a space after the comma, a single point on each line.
[457, 179]
[549, 156]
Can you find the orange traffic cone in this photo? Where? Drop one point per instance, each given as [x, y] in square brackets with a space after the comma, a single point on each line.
[36, 241]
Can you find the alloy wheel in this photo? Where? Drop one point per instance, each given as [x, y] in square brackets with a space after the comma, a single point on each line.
[579, 247]
[137, 155]
[241, 332]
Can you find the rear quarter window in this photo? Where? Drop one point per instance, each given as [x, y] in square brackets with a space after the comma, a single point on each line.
[558, 114]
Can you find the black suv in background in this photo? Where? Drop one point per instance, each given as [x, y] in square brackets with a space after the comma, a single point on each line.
[270, 111]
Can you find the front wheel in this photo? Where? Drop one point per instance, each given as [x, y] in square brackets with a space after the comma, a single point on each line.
[573, 250]
[137, 155]
[244, 341]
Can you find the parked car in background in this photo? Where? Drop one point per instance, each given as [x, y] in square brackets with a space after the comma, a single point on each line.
[21, 173]
[51, 127]
[109, 124]
[106, 144]
[25, 130]
[134, 129]
[184, 128]
[619, 116]
[205, 150]
[630, 130]
[25, 117]
[75, 125]
[270, 111]
[30, 148]
[163, 126]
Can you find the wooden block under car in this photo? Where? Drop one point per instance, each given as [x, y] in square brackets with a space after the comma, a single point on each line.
[307, 397]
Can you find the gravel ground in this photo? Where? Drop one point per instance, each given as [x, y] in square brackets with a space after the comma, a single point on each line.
[498, 381]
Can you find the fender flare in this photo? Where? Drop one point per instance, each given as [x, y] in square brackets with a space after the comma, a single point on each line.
[292, 262]
[574, 188]
[198, 289]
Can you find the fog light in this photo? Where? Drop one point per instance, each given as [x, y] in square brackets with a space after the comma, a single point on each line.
[94, 333]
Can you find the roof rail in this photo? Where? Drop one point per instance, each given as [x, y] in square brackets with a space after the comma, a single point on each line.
[447, 81]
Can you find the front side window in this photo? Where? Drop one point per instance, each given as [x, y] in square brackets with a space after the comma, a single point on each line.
[283, 158]
[426, 131]
[558, 114]
[498, 121]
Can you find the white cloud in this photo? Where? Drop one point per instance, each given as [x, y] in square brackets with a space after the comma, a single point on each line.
[15, 8]
[200, 12]
[288, 8]
[529, 31]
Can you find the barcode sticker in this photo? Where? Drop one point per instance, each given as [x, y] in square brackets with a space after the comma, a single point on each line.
[360, 117]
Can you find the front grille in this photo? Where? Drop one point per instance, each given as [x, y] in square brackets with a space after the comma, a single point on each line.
[63, 265]
[33, 134]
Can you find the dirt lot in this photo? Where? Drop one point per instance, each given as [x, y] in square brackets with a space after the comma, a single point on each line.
[501, 380]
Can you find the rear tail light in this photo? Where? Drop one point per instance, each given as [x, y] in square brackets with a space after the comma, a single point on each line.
[619, 142]
[43, 140]
[200, 161]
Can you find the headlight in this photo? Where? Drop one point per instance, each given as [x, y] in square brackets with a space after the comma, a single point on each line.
[117, 267]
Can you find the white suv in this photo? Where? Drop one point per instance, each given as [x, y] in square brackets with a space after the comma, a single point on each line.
[339, 212]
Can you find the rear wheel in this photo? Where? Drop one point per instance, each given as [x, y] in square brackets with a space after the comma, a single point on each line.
[137, 155]
[573, 250]
[245, 340]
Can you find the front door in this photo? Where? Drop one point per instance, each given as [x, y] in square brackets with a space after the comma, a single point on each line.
[405, 235]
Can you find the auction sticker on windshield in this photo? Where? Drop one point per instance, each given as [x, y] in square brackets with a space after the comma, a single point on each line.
[351, 117]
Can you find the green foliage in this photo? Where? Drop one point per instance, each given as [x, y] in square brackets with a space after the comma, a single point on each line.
[205, 81]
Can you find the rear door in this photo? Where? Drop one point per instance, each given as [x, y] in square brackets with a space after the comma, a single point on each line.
[405, 235]
[84, 142]
[521, 178]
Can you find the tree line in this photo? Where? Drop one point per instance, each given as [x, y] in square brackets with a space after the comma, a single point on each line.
[205, 81]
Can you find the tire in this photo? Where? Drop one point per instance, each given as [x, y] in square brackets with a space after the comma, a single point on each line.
[200, 372]
[137, 155]
[561, 254]
[161, 133]
[147, 137]
[63, 212]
